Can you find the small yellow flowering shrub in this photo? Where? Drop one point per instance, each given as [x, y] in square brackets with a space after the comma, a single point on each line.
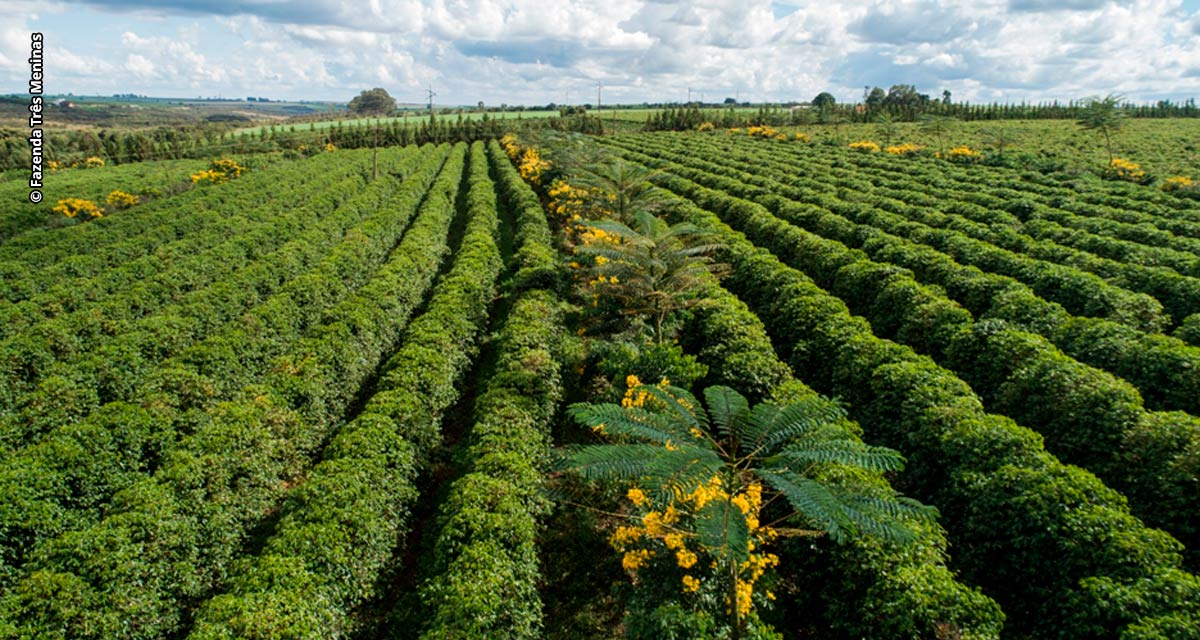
[963, 153]
[762, 131]
[78, 208]
[865, 146]
[1124, 170]
[1178, 183]
[120, 199]
[906, 149]
[705, 126]
[92, 162]
[220, 171]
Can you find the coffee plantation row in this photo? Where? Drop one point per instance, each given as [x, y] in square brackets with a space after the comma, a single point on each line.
[346, 396]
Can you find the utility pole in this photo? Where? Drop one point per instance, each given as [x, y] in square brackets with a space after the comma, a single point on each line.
[431, 95]
[598, 86]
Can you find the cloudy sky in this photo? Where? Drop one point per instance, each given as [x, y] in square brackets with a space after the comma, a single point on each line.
[540, 51]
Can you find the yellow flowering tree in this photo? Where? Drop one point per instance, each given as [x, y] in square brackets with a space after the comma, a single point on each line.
[651, 270]
[619, 189]
[711, 489]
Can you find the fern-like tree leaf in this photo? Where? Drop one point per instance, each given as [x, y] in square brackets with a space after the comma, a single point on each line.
[728, 407]
[854, 453]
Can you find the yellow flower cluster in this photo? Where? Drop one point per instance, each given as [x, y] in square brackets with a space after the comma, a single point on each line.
[598, 236]
[864, 146]
[511, 146]
[634, 395]
[566, 200]
[960, 154]
[762, 132]
[92, 162]
[905, 149]
[121, 199]
[603, 280]
[54, 165]
[1121, 169]
[72, 207]
[800, 137]
[745, 602]
[663, 533]
[1178, 182]
[329, 146]
[635, 559]
[528, 159]
[705, 126]
[229, 167]
[219, 171]
[208, 175]
[532, 166]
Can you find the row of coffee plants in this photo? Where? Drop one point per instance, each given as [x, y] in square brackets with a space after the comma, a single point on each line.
[55, 383]
[167, 536]
[1165, 370]
[338, 529]
[1057, 549]
[1089, 417]
[57, 377]
[1117, 201]
[1144, 216]
[483, 570]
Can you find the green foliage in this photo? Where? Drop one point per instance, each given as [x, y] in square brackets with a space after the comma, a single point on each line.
[939, 127]
[1104, 116]
[658, 267]
[614, 360]
[625, 187]
[373, 101]
[484, 577]
[824, 100]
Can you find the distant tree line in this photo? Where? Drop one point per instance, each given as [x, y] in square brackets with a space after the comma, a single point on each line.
[203, 141]
[900, 103]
